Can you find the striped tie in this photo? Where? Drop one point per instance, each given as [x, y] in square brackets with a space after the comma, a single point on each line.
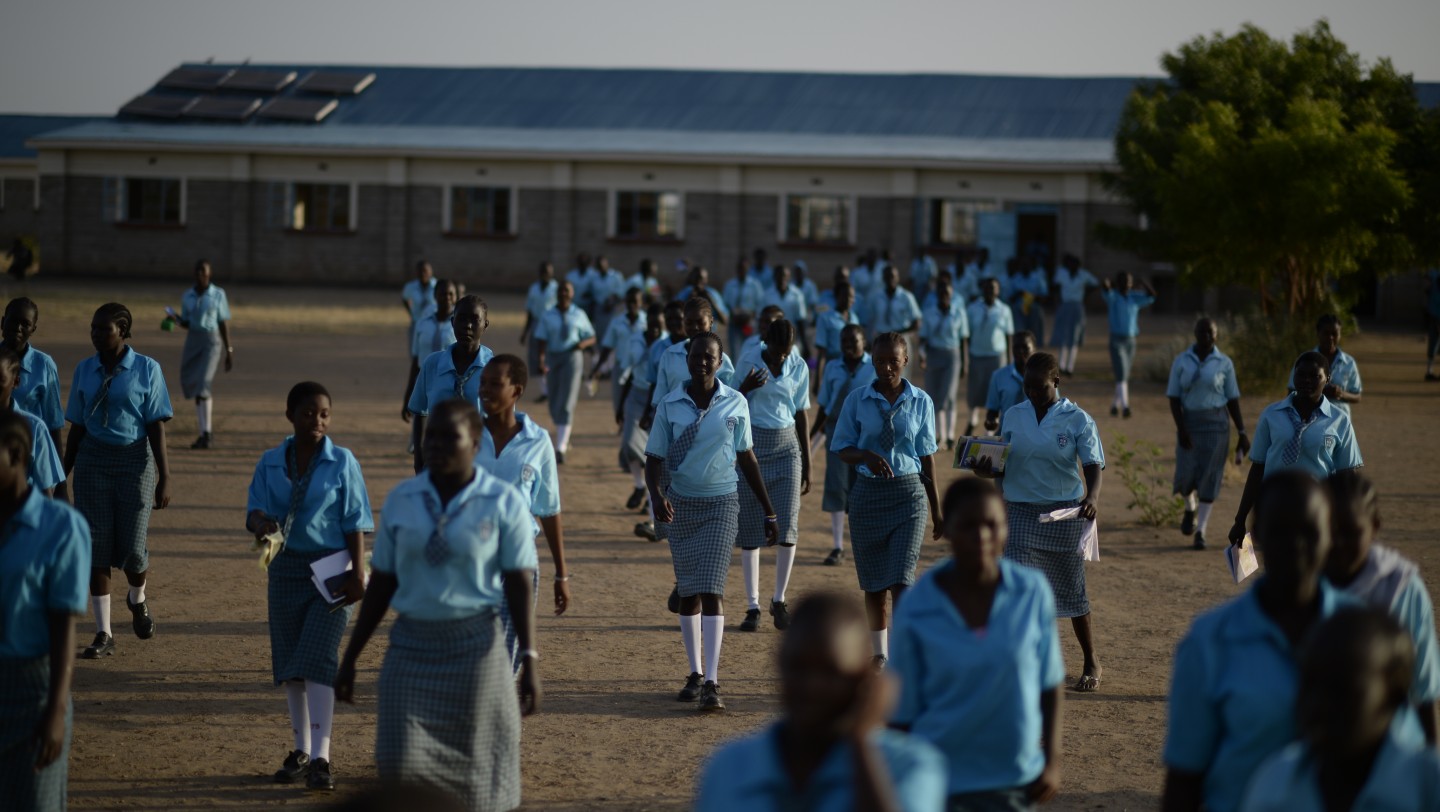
[102, 398]
[298, 489]
[437, 549]
[1291, 453]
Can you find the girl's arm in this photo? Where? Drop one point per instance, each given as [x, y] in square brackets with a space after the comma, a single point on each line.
[72, 446]
[586, 343]
[1247, 501]
[156, 432]
[520, 601]
[1091, 502]
[420, 446]
[802, 431]
[1044, 788]
[927, 475]
[229, 351]
[355, 584]
[405, 413]
[1242, 444]
[372, 611]
[663, 511]
[50, 733]
[555, 540]
[1182, 434]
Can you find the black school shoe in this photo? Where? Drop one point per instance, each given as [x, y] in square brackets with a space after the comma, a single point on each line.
[1199, 542]
[834, 558]
[646, 530]
[710, 701]
[103, 646]
[780, 610]
[691, 691]
[1187, 523]
[319, 777]
[140, 619]
[636, 497]
[751, 623]
[201, 442]
[296, 766]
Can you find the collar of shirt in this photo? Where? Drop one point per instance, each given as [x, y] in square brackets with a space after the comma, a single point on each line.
[1057, 410]
[1326, 410]
[325, 452]
[529, 431]
[28, 359]
[126, 362]
[447, 361]
[722, 393]
[1252, 624]
[907, 392]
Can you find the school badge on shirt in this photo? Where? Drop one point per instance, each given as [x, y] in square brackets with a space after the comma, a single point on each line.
[1062, 439]
[487, 528]
[527, 474]
[1329, 443]
[730, 423]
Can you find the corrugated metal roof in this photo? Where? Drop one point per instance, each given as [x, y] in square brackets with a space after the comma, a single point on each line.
[17, 129]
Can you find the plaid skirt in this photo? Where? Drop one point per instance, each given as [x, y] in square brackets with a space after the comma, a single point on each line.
[1053, 548]
[839, 479]
[198, 362]
[566, 370]
[1122, 356]
[977, 386]
[1202, 468]
[778, 452]
[701, 539]
[115, 490]
[942, 376]
[887, 527]
[304, 634]
[24, 691]
[632, 437]
[448, 714]
[1069, 325]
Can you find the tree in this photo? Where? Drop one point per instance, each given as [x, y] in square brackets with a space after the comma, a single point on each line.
[1281, 168]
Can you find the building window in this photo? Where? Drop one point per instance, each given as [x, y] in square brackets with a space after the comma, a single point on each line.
[150, 201]
[953, 222]
[819, 219]
[321, 207]
[646, 216]
[480, 211]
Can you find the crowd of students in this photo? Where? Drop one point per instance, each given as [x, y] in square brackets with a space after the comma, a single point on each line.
[719, 451]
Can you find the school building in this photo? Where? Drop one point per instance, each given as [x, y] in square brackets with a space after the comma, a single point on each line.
[291, 173]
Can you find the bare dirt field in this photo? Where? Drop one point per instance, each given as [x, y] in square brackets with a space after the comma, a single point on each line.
[190, 718]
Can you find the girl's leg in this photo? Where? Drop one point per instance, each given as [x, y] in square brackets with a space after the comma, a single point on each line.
[637, 474]
[837, 530]
[208, 405]
[690, 634]
[200, 423]
[100, 599]
[876, 611]
[784, 563]
[295, 698]
[320, 700]
[1202, 516]
[712, 629]
[137, 586]
[562, 437]
[1083, 636]
[750, 570]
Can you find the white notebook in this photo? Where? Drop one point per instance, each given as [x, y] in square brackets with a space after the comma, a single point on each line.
[1241, 559]
[328, 574]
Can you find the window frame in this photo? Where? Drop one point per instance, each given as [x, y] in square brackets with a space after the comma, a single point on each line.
[935, 225]
[352, 207]
[119, 214]
[612, 217]
[852, 221]
[447, 212]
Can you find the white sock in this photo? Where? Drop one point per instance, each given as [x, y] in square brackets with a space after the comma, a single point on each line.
[544, 386]
[784, 562]
[562, 436]
[953, 415]
[137, 594]
[977, 419]
[713, 633]
[1123, 388]
[200, 416]
[1202, 518]
[321, 702]
[299, 714]
[880, 641]
[209, 406]
[637, 473]
[101, 605]
[837, 529]
[690, 634]
[1116, 401]
[1191, 500]
[750, 569]
[1067, 359]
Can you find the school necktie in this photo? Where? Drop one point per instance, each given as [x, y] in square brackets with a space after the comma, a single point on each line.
[437, 549]
[300, 485]
[102, 398]
[1291, 453]
[887, 429]
[564, 331]
[461, 380]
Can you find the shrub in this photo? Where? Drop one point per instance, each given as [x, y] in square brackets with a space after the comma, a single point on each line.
[1141, 467]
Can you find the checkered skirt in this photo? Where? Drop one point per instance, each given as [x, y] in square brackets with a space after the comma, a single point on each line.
[887, 527]
[778, 452]
[448, 714]
[1053, 548]
[632, 437]
[839, 479]
[1202, 468]
[24, 690]
[114, 491]
[198, 362]
[304, 634]
[1122, 356]
[512, 640]
[701, 539]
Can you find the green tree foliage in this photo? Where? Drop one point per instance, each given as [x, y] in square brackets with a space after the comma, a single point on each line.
[1283, 168]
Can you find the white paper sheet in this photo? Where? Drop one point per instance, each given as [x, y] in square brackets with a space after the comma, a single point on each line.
[1242, 559]
[1089, 539]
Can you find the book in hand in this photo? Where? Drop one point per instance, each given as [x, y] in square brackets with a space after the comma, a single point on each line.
[1241, 559]
[970, 452]
[329, 574]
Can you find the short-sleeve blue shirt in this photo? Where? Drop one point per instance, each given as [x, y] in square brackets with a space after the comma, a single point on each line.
[335, 503]
[1404, 778]
[975, 693]
[1007, 388]
[137, 397]
[774, 405]
[967, 282]
[1037, 283]
[673, 370]
[437, 381]
[1072, 287]
[829, 325]
[488, 532]
[862, 419]
[792, 301]
[749, 774]
[1232, 695]
[540, 298]
[839, 380]
[46, 468]
[562, 335]
[1202, 385]
[648, 362]
[44, 568]
[618, 333]
[204, 311]
[583, 281]
[944, 331]
[1124, 309]
[709, 466]
[431, 335]
[717, 300]
[990, 325]
[418, 297]
[1344, 373]
[38, 390]
[746, 294]
[1391, 582]
[1327, 446]
[648, 285]
[528, 463]
[1046, 456]
[888, 313]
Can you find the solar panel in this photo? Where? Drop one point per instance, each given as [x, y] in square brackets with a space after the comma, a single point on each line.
[222, 108]
[260, 81]
[154, 106]
[339, 83]
[195, 78]
[308, 110]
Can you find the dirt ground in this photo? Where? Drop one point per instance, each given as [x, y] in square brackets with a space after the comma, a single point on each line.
[190, 718]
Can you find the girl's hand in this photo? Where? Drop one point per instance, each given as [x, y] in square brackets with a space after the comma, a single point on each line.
[664, 512]
[756, 379]
[878, 466]
[1242, 447]
[562, 597]
[1047, 786]
[405, 413]
[345, 683]
[984, 467]
[265, 527]
[937, 531]
[354, 588]
[772, 532]
[162, 492]
[528, 686]
[992, 424]
[1087, 508]
[1182, 436]
[49, 737]
[229, 359]
[1237, 533]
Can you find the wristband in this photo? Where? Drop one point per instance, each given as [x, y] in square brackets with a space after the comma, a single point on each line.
[558, 579]
[529, 654]
[229, 349]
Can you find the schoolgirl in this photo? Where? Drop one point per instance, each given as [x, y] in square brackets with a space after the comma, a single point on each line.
[944, 334]
[1124, 303]
[744, 296]
[851, 370]
[1344, 387]
[37, 390]
[432, 333]
[46, 469]
[645, 280]
[1030, 312]
[205, 315]
[1071, 284]
[418, 295]
[991, 326]
[614, 355]
[1202, 390]
[786, 296]
[538, 299]
[1007, 384]
[564, 335]
[829, 323]
[440, 375]
[638, 408]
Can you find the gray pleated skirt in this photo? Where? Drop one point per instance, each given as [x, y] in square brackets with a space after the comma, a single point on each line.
[115, 491]
[1202, 468]
[448, 714]
[198, 362]
[942, 375]
[887, 527]
[977, 386]
[1053, 548]
[633, 438]
[1069, 325]
[566, 370]
[24, 693]
[778, 452]
[304, 634]
[702, 539]
[1122, 356]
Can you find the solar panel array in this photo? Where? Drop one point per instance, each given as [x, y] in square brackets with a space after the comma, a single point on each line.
[230, 94]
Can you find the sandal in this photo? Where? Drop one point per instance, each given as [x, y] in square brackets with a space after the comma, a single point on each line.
[1087, 684]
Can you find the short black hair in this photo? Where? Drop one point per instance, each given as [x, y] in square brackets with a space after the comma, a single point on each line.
[1043, 362]
[1312, 357]
[1023, 335]
[20, 305]
[704, 337]
[699, 305]
[479, 305]
[846, 330]
[780, 334]
[304, 391]
[462, 408]
[967, 489]
[117, 313]
[1327, 320]
[894, 340]
[515, 368]
[1350, 491]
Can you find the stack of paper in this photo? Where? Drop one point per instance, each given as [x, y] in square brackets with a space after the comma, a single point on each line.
[1241, 559]
[329, 574]
[969, 452]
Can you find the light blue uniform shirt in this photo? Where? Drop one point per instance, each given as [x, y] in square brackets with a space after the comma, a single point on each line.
[540, 298]
[528, 463]
[717, 300]
[648, 285]
[975, 693]
[990, 325]
[865, 282]
[1007, 388]
[488, 532]
[1125, 311]
[38, 390]
[709, 466]
[46, 468]
[838, 381]
[749, 774]
[746, 294]
[887, 313]
[610, 284]
[630, 362]
[562, 335]
[1327, 446]
[418, 297]
[812, 297]
[1344, 373]
[922, 270]
[204, 311]
[583, 281]
[1232, 695]
[1046, 457]
[44, 568]
[774, 405]
[1391, 582]
[431, 335]
[828, 326]
[967, 282]
[944, 331]
[437, 380]
[1072, 288]
[1404, 778]
[618, 334]
[1037, 283]
[648, 365]
[137, 398]
[673, 370]
[335, 503]
[862, 419]
[1202, 385]
[792, 301]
